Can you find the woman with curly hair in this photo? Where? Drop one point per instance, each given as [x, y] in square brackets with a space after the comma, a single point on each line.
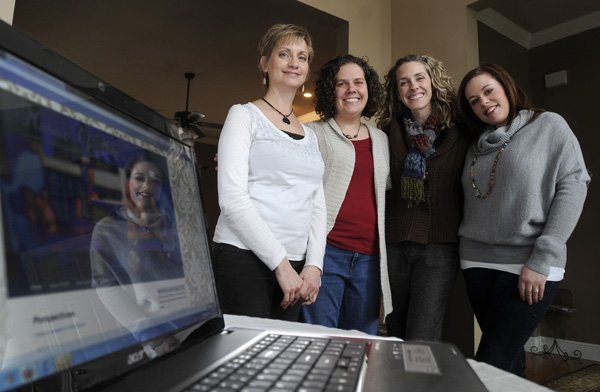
[424, 206]
[356, 175]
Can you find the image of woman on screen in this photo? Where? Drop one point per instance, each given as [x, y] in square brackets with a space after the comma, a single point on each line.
[136, 242]
[135, 247]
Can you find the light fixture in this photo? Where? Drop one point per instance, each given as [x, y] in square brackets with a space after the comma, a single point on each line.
[307, 94]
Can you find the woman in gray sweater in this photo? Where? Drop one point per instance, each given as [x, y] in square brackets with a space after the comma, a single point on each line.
[525, 183]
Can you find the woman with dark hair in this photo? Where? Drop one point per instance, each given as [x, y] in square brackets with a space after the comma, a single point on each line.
[137, 242]
[356, 175]
[424, 206]
[525, 184]
[269, 238]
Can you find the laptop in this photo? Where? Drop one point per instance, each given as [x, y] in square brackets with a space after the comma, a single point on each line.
[100, 293]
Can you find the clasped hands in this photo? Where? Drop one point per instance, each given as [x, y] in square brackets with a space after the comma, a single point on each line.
[296, 287]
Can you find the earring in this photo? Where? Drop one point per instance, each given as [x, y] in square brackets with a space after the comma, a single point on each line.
[264, 79]
[302, 88]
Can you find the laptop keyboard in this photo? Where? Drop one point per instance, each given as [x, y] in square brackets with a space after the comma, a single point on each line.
[289, 363]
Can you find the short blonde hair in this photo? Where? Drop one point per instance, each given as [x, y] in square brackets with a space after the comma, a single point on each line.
[285, 32]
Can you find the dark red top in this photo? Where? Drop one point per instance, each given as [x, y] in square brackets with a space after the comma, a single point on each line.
[355, 227]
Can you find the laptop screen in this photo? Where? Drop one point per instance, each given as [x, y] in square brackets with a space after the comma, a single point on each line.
[104, 256]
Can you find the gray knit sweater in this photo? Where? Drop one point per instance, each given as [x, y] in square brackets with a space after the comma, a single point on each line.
[339, 158]
[541, 185]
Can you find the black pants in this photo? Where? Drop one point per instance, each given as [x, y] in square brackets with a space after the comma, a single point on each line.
[421, 278]
[247, 287]
[506, 322]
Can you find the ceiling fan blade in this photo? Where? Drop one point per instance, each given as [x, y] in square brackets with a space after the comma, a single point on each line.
[209, 124]
[196, 130]
[194, 117]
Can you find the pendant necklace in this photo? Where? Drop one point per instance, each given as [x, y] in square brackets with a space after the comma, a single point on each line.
[492, 180]
[350, 137]
[285, 118]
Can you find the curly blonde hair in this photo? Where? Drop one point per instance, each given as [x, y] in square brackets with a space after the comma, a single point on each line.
[443, 95]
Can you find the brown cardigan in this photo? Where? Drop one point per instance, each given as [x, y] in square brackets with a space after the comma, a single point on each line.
[437, 219]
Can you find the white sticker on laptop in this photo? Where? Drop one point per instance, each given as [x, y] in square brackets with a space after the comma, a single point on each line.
[419, 358]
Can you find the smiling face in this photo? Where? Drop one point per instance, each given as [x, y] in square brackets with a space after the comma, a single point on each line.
[488, 100]
[351, 91]
[414, 88]
[288, 63]
[145, 186]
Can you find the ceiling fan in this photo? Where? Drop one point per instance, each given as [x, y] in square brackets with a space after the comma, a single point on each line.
[189, 121]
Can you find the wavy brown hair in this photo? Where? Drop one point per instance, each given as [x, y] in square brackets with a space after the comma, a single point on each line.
[326, 81]
[517, 98]
[443, 96]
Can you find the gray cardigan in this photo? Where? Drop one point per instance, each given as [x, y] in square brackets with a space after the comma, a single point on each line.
[541, 185]
[338, 155]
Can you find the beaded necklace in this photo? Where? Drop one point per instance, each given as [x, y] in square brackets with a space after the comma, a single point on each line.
[350, 137]
[492, 181]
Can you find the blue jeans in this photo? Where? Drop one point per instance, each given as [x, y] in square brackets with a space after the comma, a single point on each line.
[506, 322]
[350, 292]
[421, 279]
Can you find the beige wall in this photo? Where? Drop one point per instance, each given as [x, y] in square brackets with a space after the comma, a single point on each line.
[444, 29]
[370, 30]
[384, 30]
[7, 9]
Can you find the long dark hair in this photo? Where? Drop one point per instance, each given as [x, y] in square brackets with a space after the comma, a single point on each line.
[517, 98]
[144, 157]
[159, 165]
[325, 87]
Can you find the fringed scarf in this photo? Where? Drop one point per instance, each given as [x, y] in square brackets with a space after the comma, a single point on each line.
[412, 182]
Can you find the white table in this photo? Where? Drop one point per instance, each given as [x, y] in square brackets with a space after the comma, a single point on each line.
[494, 379]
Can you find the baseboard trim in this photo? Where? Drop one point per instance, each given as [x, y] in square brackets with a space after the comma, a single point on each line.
[588, 350]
